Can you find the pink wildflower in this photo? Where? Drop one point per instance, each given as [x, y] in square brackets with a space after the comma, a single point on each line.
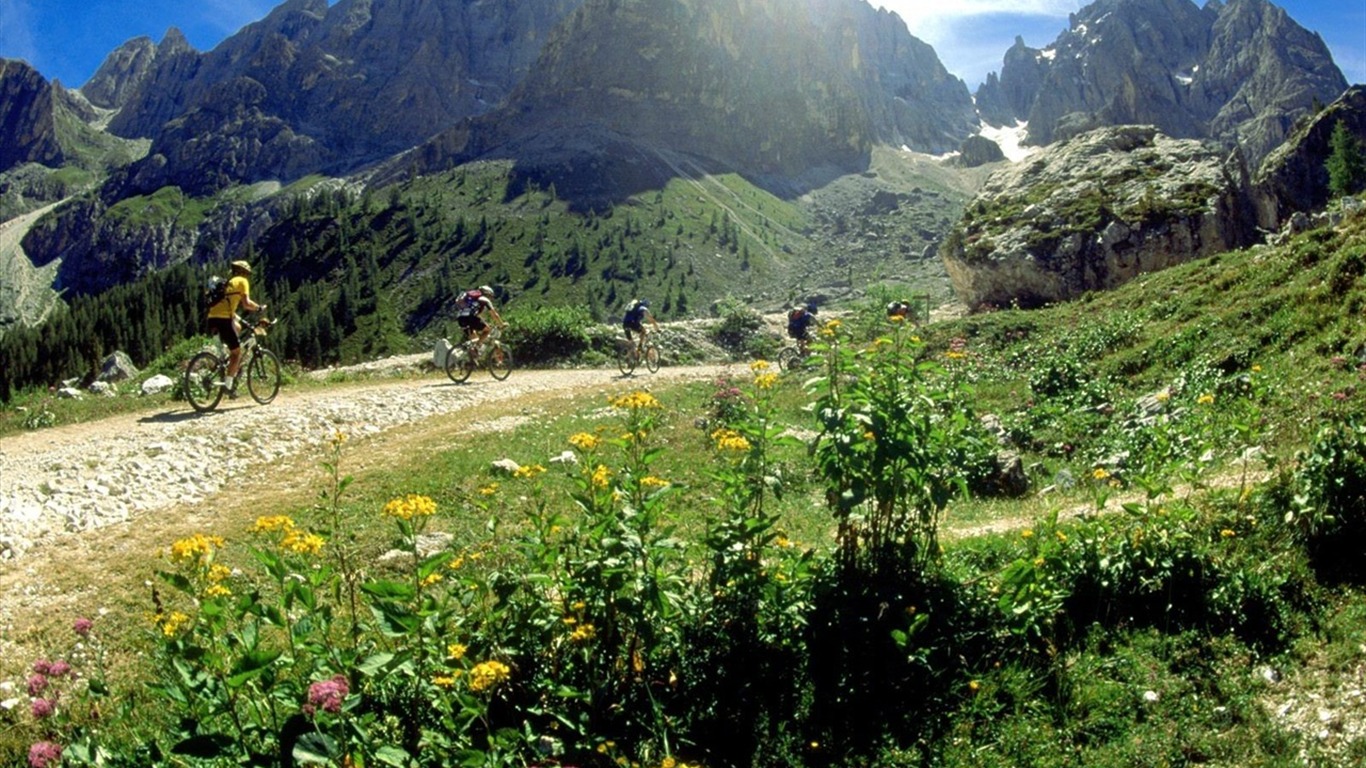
[37, 683]
[43, 708]
[58, 669]
[82, 626]
[327, 695]
[44, 754]
[42, 667]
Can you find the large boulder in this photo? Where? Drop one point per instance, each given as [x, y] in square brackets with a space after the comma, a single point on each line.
[1095, 211]
[118, 366]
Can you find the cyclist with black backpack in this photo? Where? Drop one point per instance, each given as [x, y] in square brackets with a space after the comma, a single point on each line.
[637, 313]
[223, 322]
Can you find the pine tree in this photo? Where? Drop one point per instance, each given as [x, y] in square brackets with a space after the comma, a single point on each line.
[1346, 164]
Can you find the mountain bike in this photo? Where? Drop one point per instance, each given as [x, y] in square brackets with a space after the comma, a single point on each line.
[207, 370]
[629, 356]
[492, 354]
[794, 356]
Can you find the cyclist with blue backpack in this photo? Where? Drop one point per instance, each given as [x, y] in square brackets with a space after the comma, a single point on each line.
[799, 322]
[637, 314]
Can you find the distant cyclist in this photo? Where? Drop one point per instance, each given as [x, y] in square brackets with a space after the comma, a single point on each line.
[900, 309]
[637, 314]
[799, 322]
[222, 320]
[471, 308]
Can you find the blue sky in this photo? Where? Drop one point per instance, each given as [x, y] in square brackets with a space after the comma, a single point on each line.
[67, 39]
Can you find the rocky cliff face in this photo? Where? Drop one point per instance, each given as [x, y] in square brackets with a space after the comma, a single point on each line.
[1294, 177]
[330, 87]
[630, 91]
[1239, 73]
[28, 131]
[1095, 211]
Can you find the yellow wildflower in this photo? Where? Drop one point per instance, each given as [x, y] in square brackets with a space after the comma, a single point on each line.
[1038, 562]
[432, 578]
[171, 625]
[765, 380]
[1256, 369]
[636, 401]
[1205, 399]
[650, 481]
[410, 506]
[218, 573]
[602, 476]
[974, 686]
[302, 543]
[1099, 473]
[1027, 534]
[1228, 533]
[217, 590]
[1163, 396]
[1062, 537]
[489, 489]
[443, 681]
[583, 633]
[583, 441]
[197, 549]
[456, 651]
[487, 674]
[272, 524]
[729, 440]
[578, 605]
[530, 470]
[759, 366]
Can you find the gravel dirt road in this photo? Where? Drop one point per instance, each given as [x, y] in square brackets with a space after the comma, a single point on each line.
[75, 498]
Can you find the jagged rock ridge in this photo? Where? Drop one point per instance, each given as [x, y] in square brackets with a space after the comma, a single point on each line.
[1240, 73]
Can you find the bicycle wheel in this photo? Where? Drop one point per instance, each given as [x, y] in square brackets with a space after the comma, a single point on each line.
[627, 358]
[500, 361]
[263, 375]
[789, 358]
[652, 358]
[202, 375]
[459, 364]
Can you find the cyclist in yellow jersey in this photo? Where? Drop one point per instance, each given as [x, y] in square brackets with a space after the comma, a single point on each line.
[222, 319]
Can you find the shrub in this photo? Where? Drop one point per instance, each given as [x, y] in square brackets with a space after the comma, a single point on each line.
[1329, 512]
[549, 334]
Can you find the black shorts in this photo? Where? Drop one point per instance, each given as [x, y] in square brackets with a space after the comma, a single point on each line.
[471, 323]
[222, 326]
[637, 327]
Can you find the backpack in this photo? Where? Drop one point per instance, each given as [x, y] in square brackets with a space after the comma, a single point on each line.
[469, 303]
[215, 290]
[795, 318]
[635, 315]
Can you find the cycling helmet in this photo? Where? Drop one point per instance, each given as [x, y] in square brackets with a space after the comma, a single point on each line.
[643, 302]
[487, 291]
[241, 266]
[811, 307]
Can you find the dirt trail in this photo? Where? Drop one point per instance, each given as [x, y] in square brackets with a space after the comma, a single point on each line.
[76, 499]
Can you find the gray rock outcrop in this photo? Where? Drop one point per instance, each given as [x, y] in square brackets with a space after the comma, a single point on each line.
[1095, 211]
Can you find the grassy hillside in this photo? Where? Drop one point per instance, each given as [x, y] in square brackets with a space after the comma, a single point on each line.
[746, 572]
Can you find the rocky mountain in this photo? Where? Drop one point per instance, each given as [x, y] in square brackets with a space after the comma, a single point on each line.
[1239, 73]
[313, 87]
[705, 92]
[27, 124]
